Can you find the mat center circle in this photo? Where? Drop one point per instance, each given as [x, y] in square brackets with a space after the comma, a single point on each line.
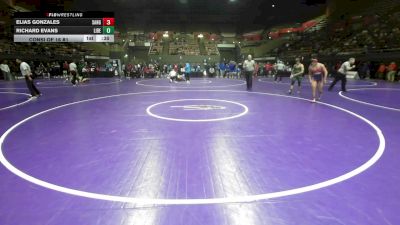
[197, 110]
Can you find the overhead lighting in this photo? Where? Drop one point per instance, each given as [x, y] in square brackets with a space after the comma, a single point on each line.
[165, 35]
[273, 5]
[200, 36]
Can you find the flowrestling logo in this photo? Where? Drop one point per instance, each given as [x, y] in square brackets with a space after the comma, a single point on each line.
[199, 107]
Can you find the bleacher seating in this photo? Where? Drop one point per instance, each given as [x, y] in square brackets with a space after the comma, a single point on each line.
[184, 46]
[211, 48]
[156, 48]
[355, 35]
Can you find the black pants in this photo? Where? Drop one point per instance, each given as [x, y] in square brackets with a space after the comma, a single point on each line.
[279, 74]
[74, 77]
[342, 77]
[249, 79]
[31, 86]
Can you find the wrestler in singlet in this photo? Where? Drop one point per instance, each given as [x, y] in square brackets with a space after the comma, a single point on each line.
[317, 72]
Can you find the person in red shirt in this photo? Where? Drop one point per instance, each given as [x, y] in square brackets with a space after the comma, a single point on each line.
[256, 69]
[268, 69]
[391, 72]
[146, 71]
[65, 71]
[381, 71]
[129, 68]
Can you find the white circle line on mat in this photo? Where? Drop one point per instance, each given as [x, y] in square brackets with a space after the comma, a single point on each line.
[235, 199]
[367, 103]
[18, 104]
[244, 112]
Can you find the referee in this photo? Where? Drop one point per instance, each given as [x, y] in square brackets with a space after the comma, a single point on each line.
[27, 73]
[341, 73]
[248, 67]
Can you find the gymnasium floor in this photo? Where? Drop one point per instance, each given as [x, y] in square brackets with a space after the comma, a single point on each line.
[143, 152]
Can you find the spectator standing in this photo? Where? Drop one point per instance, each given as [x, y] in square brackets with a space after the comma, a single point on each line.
[6, 71]
[65, 69]
[391, 72]
[188, 70]
[381, 71]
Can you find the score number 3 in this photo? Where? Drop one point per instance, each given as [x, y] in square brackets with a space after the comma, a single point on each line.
[108, 21]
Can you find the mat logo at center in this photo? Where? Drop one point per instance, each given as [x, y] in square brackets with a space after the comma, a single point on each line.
[199, 107]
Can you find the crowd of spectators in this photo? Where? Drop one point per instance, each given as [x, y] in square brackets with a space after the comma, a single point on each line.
[156, 48]
[356, 35]
[230, 69]
[211, 48]
[184, 46]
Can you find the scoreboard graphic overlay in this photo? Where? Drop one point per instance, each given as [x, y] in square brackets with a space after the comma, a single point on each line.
[64, 27]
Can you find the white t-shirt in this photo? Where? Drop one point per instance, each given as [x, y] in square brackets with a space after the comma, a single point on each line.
[345, 67]
[172, 73]
[73, 67]
[280, 66]
[25, 69]
[249, 65]
[5, 68]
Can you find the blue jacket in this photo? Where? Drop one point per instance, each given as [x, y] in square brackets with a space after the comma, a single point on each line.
[188, 69]
[222, 66]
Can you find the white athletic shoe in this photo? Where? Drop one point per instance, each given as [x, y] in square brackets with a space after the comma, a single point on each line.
[313, 101]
